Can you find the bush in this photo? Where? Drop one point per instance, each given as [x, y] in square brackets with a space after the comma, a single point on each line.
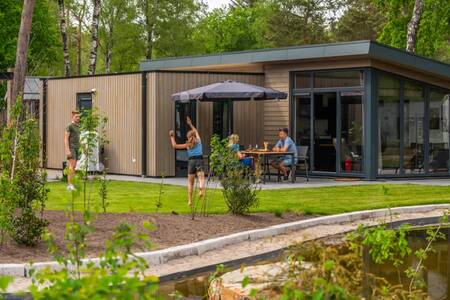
[238, 182]
[239, 190]
[23, 190]
[27, 229]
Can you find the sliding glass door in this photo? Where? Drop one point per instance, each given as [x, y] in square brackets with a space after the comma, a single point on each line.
[351, 132]
[325, 132]
[328, 119]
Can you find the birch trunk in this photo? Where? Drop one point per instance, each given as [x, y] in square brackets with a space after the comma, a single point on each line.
[94, 40]
[413, 26]
[20, 68]
[63, 29]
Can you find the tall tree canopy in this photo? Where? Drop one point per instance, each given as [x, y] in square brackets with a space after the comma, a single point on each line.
[433, 36]
[44, 55]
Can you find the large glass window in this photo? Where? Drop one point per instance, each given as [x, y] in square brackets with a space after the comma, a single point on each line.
[351, 145]
[332, 79]
[325, 132]
[303, 119]
[388, 124]
[413, 136]
[438, 131]
[303, 80]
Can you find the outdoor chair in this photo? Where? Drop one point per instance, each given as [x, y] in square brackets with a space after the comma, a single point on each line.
[302, 157]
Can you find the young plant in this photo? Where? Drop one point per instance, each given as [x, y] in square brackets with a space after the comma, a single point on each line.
[23, 190]
[103, 191]
[159, 203]
[119, 273]
[239, 188]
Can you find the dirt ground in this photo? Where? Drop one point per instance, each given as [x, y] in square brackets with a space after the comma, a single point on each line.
[171, 230]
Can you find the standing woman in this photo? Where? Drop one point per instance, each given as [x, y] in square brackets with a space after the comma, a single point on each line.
[194, 149]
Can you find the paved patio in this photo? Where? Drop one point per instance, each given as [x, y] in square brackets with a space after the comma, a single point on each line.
[273, 185]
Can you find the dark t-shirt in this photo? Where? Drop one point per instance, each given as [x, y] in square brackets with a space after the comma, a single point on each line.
[74, 135]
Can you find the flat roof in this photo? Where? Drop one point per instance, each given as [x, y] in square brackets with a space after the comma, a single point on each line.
[357, 48]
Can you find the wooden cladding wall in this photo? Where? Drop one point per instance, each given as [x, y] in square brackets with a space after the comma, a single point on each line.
[118, 98]
[161, 114]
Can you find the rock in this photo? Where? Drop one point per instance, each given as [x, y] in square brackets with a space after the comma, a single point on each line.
[229, 286]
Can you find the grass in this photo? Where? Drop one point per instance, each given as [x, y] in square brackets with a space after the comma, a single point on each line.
[142, 197]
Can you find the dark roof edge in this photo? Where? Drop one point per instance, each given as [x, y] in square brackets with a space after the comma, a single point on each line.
[399, 56]
[150, 71]
[372, 49]
[256, 51]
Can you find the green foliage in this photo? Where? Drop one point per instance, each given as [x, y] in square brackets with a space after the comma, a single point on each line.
[239, 188]
[44, 57]
[361, 20]
[159, 203]
[434, 27]
[119, 274]
[387, 245]
[23, 190]
[278, 213]
[103, 191]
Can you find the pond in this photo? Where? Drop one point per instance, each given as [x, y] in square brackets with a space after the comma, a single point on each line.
[436, 274]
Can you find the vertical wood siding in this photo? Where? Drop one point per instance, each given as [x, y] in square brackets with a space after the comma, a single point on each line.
[161, 157]
[118, 98]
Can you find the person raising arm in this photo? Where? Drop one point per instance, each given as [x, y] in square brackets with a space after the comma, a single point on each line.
[194, 149]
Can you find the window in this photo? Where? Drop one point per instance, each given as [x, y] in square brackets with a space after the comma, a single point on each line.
[223, 118]
[84, 101]
[333, 79]
[303, 81]
[438, 125]
[413, 122]
[388, 124]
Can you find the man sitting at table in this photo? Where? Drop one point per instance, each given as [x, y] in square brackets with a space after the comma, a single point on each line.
[284, 144]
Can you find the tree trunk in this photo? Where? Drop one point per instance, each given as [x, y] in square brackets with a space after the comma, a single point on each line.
[150, 20]
[413, 26]
[94, 40]
[109, 47]
[63, 29]
[20, 68]
[79, 47]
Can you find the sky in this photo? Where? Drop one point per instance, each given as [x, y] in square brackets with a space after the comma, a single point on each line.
[216, 3]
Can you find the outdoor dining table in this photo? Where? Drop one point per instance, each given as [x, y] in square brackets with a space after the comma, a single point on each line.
[264, 155]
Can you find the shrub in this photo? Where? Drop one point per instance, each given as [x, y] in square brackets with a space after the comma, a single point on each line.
[238, 182]
[23, 190]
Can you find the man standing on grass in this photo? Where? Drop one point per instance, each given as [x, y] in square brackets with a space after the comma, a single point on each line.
[72, 146]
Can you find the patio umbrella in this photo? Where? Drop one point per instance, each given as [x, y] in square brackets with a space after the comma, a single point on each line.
[229, 90]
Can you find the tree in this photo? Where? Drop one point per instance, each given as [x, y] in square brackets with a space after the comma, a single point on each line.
[79, 9]
[20, 67]
[413, 26]
[94, 38]
[168, 26]
[361, 20]
[63, 29]
[118, 28]
[233, 29]
[433, 34]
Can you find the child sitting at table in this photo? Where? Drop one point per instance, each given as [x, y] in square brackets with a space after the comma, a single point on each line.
[233, 142]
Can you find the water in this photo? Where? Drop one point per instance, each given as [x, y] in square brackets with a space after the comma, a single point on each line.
[436, 275]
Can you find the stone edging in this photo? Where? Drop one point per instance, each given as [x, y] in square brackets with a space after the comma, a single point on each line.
[161, 256]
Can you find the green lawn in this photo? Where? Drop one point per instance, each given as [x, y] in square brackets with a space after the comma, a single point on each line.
[141, 197]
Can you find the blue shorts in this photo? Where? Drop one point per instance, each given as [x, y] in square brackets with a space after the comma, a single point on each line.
[247, 161]
[287, 161]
